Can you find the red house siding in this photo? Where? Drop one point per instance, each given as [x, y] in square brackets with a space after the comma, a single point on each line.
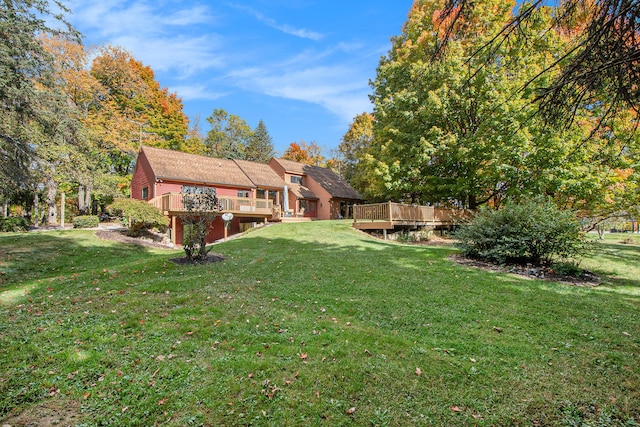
[216, 233]
[142, 177]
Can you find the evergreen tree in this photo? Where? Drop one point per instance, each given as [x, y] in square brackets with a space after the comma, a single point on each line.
[260, 148]
[26, 82]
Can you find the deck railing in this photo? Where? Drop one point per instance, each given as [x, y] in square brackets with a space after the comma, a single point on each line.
[399, 214]
[172, 202]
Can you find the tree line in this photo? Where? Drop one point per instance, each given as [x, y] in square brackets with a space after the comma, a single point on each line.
[479, 103]
[73, 119]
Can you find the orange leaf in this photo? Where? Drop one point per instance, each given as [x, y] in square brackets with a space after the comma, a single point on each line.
[351, 411]
[162, 401]
[456, 409]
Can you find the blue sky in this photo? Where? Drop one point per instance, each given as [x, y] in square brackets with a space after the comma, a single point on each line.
[302, 66]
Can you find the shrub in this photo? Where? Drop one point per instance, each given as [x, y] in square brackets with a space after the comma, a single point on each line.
[531, 232]
[86, 221]
[14, 224]
[138, 214]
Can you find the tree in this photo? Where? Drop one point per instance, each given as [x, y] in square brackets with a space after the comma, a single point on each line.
[138, 214]
[228, 137]
[134, 109]
[603, 59]
[260, 147]
[25, 80]
[194, 143]
[447, 131]
[202, 206]
[355, 143]
[308, 153]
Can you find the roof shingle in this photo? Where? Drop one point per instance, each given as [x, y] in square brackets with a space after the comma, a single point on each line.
[179, 166]
[333, 183]
[260, 174]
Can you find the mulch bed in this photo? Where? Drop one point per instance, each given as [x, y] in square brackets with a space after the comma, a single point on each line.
[153, 240]
[586, 279]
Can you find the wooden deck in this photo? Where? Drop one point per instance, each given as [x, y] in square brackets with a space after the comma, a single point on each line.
[171, 204]
[387, 216]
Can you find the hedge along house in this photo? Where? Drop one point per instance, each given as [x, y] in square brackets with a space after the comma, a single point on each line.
[315, 192]
[161, 175]
[253, 192]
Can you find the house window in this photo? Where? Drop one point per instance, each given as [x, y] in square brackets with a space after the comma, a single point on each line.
[296, 179]
[261, 194]
[145, 193]
[243, 193]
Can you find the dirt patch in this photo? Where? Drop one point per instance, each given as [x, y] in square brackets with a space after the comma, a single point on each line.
[147, 238]
[586, 278]
[49, 413]
[210, 258]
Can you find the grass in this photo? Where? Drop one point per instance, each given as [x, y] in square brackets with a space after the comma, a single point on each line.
[303, 322]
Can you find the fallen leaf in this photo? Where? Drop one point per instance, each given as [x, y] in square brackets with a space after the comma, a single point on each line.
[418, 371]
[303, 356]
[125, 409]
[472, 360]
[456, 409]
[162, 401]
[351, 411]
[497, 329]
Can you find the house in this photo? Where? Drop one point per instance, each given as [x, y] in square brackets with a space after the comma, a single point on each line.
[316, 192]
[253, 192]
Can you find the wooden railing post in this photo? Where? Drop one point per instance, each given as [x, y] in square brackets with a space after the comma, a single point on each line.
[390, 213]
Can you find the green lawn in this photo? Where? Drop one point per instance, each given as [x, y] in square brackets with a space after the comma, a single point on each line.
[304, 322]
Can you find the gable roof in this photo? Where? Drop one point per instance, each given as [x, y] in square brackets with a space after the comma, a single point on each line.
[333, 183]
[290, 166]
[260, 174]
[301, 191]
[179, 166]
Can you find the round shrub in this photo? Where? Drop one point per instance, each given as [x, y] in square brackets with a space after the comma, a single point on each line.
[532, 232]
[138, 214]
[86, 221]
[14, 224]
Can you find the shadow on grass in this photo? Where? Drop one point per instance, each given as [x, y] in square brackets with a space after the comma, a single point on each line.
[29, 261]
[619, 260]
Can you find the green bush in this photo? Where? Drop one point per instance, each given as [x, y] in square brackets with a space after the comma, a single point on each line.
[138, 214]
[86, 221]
[14, 224]
[531, 232]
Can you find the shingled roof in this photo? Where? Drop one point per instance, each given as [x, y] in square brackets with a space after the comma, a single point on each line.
[292, 167]
[333, 183]
[179, 166]
[260, 174]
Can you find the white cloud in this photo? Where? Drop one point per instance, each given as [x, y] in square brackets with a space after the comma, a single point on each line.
[116, 17]
[148, 31]
[182, 55]
[287, 29]
[197, 92]
[337, 88]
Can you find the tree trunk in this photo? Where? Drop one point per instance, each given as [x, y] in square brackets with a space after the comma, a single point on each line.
[82, 208]
[36, 205]
[52, 208]
[87, 199]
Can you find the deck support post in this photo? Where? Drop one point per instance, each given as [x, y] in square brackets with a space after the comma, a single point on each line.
[384, 233]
